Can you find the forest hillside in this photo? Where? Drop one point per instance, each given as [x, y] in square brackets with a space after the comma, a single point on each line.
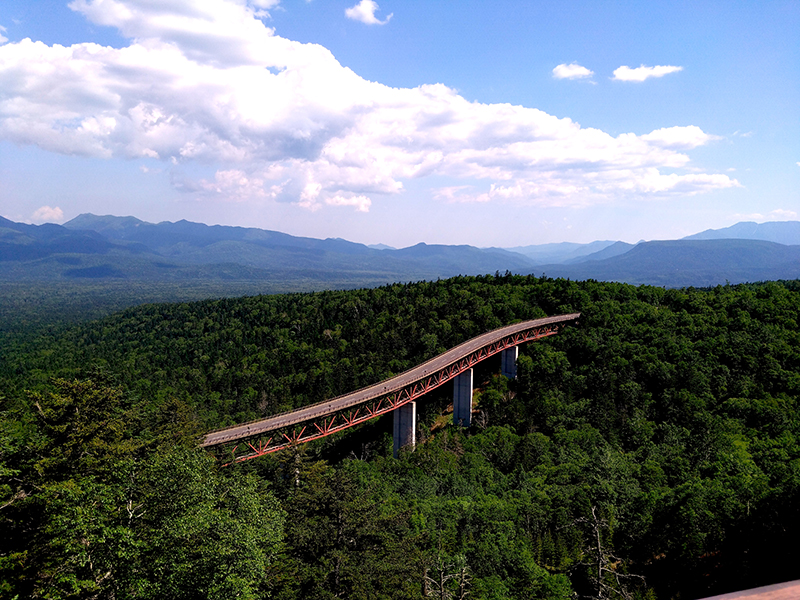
[649, 452]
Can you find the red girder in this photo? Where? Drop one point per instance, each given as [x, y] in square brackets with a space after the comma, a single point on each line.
[351, 418]
[371, 410]
[295, 437]
[329, 424]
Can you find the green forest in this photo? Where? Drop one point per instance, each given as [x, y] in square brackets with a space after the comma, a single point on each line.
[649, 452]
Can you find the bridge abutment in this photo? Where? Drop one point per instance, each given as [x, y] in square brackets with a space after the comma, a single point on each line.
[508, 362]
[462, 399]
[405, 427]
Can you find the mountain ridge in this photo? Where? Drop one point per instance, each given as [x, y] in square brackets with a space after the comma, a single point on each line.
[105, 247]
[686, 263]
[780, 232]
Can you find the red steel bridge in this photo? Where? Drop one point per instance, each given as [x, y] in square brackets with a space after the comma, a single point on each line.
[257, 438]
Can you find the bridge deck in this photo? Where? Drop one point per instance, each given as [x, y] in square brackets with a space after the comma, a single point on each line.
[383, 388]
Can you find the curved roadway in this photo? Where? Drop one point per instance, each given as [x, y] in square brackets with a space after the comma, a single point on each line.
[383, 388]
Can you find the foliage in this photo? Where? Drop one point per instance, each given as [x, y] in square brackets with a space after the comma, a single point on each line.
[650, 452]
[90, 512]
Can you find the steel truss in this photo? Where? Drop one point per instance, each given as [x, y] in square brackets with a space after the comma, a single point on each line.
[324, 425]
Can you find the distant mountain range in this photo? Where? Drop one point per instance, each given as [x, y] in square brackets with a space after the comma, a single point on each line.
[92, 247]
[101, 248]
[683, 263]
[563, 252]
[780, 232]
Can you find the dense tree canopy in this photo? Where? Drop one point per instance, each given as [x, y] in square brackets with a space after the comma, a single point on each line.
[649, 452]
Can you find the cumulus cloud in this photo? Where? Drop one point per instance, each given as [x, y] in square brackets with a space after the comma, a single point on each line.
[233, 184]
[361, 203]
[625, 73]
[3, 39]
[683, 138]
[364, 11]
[284, 121]
[571, 71]
[48, 214]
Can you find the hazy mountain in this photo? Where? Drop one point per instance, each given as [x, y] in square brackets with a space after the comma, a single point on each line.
[166, 236]
[781, 232]
[462, 260]
[271, 253]
[22, 242]
[614, 249]
[561, 252]
[197, 243]
[111, 248]
[682, 263]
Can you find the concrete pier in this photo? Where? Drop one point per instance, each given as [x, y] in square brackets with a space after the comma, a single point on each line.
[508, 362]
[405, 426]
[462, 399]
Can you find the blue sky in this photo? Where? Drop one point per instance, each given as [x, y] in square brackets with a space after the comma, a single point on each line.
[487, 123]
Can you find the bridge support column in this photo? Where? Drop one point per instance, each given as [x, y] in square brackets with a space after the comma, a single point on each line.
[405, 426]
[508, 358]
[462, 399]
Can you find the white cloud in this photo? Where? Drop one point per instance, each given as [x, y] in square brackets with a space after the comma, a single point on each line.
[682, 138]
[625, 73]
[48, 214]
[364, 11]
[265, 4]
[449, 193]
[571, 71]
[211, 83]
[560, 192]
[3, 39]
[361, 203]
[262, 7]
[231, 184]
[779, 214]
